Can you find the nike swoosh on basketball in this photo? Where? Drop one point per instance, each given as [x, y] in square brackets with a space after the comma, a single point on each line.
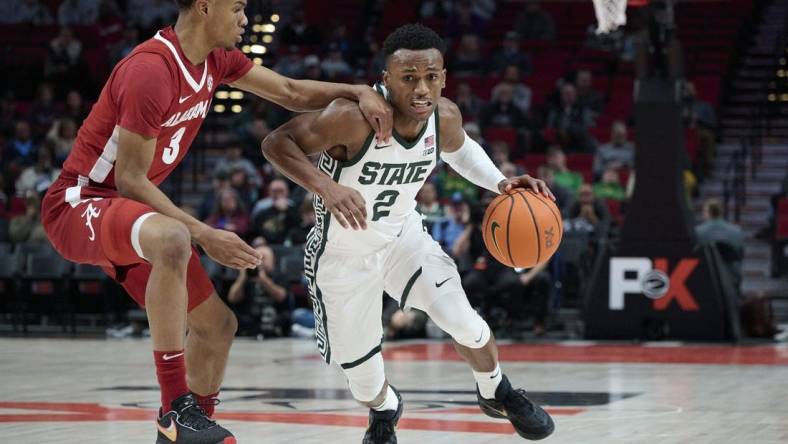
[437, 285]
[183, 99]
[167, 357]
[171, 432]
[495, 226]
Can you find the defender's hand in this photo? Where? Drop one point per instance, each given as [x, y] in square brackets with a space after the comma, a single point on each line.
[347, 205]
[525, 181]
[378, 113]
[226, 248]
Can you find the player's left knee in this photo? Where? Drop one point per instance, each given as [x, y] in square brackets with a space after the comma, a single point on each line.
[460, 321]
[367, 379]
[221, 327]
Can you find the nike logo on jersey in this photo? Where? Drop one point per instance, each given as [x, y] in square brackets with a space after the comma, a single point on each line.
[200, 109]
[481, 335]
[380, 147]
[183, 99]
[437, 285]
[167, 357]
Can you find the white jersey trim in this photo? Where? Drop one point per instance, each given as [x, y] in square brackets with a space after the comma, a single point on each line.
[189, 79]
[106, 161]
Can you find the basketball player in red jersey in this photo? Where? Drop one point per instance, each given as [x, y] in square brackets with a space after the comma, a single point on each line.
[106, 209]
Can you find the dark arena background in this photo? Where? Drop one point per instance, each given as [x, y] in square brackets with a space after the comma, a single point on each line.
[661, 318]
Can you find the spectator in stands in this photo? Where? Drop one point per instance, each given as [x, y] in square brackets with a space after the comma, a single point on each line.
[617, 153]
[428, 205]
[27, 227]
[609, 186]
[511, 54]
[448, 230]
[474, 132]
[277, 189]
[501, 111]
[291, 63]
[496, 288]
[334, 66]
[61, 137]
[468, 59]
[570, 120]
[38, 177]
[435, 8]
[500, 152]
[229, 213]
[340, 40]
[21, 149]
[151, 14]
[64, 63]
[401, 324]
[298, 234]
[78, 12]
[274, 220]
[697, 112]
[75, 107]
[589, 212]
[299, 32]
[464, 20]
[728, 237]
[587, 96]
[234, 160]
[43, 111]
[24, 11]
[508, 169]
[448, 182]
[556, 159]
[239, 181]
[563, 196]
[469, 103]
[220, 182]
[122, 48]
[256, 292]
[8, 117]
[534, 23]
[521, 94]
[312, 70]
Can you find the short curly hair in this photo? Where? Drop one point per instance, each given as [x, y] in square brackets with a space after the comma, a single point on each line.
[413, 36]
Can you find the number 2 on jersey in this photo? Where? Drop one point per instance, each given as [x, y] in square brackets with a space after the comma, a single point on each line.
[383, 203]
[170, 152]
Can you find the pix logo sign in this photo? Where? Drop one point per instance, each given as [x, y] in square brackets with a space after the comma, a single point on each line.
[654, 279]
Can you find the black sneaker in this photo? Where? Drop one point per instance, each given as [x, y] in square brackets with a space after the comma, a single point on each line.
[383, 425]
[186, 423]
[529, 420]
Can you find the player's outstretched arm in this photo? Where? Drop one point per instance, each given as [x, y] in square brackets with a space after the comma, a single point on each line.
[135, 154]
[339, 129]
[470, 160]
[310, 95]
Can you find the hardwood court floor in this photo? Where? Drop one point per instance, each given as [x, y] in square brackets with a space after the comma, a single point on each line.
[102, 391]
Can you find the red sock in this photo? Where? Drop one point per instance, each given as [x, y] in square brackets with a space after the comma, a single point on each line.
[207, 402]
[171, 372]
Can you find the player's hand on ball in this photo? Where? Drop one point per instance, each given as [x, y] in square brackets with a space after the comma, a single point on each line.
[525, 181]
[347, 205]
[226, 248]
[378, 113]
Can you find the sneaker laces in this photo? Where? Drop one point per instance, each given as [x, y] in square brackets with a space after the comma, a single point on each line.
[193, 416]
[517, 398]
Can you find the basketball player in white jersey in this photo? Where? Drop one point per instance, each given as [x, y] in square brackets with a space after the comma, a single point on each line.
[368, 237]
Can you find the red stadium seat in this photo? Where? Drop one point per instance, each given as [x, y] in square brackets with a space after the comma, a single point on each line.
[614, 207]
[782, 207]
[782, 228]
[505, 134]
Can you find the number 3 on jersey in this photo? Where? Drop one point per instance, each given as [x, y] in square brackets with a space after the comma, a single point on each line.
[383, 203]
[170, 152]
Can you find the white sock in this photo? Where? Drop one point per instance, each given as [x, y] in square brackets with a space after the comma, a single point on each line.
[488, 381]
[390, 403]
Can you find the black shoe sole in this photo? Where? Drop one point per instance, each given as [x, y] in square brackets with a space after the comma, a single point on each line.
[492, 413]
[161, 440]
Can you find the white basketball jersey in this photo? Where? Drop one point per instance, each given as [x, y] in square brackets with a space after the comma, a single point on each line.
[388, 177]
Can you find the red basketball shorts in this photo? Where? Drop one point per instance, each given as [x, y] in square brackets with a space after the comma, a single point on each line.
[103, 230]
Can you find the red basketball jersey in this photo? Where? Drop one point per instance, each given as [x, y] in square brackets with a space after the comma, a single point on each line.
[156, 92]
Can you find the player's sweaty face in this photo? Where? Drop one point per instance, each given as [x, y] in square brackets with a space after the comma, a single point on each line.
[229, 22]
[414, 79]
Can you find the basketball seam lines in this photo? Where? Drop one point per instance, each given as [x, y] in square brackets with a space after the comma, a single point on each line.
[486, 222]
[557, 219]
[536, 227]
[508, 228]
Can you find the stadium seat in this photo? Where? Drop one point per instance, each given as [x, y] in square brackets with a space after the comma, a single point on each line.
[506, 134]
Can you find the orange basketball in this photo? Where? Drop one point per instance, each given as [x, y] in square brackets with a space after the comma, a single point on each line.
[522, 229]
